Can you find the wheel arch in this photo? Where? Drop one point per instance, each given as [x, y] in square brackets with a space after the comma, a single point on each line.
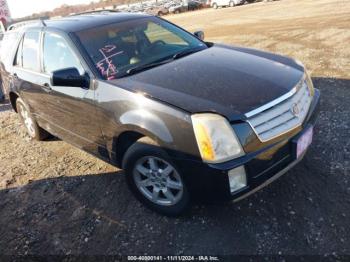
[13, 98]
[168, 130]
[129, 136]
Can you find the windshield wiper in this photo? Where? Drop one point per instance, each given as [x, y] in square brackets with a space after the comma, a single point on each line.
[187, 52]
[144, 67]
[141, 68]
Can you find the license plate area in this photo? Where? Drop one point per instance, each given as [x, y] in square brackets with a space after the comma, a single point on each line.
[304, 141]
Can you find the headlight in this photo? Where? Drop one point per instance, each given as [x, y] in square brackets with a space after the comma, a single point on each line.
[216, 139]
[309, 83]
[307, 78]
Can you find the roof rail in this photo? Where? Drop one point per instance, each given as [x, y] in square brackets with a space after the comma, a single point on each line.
[96, 12]
[25, 23]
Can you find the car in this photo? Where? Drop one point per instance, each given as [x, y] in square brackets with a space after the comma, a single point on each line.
[222, 3]
[187, 120]
[195, 5]
[178, 8]
[171, 3]
[157, 10]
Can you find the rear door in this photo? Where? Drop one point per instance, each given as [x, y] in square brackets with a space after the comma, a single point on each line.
[26, 76]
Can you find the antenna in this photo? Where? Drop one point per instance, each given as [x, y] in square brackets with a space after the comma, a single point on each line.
[42, 22]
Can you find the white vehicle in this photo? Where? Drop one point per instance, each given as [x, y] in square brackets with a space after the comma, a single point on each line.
[221, 3]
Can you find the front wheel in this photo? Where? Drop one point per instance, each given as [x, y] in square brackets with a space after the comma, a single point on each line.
[215, 6]
[155, 180]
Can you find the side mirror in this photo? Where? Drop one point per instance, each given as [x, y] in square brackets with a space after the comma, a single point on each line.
[199, 35]
[69, 77]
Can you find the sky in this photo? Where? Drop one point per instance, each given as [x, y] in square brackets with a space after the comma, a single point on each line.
[20, 8]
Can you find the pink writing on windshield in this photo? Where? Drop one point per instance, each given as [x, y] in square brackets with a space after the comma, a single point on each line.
[106, 65]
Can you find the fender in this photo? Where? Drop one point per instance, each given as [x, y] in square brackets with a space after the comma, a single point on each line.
[147, 123]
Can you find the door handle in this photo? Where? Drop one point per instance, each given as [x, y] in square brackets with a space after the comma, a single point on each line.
[47, 87]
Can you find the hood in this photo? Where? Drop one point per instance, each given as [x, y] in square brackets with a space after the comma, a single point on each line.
[230, 81]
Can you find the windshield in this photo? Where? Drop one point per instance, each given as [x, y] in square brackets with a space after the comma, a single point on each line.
[117, 49]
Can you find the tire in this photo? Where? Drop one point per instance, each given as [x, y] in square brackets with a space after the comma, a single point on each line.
[232, 4]
[34, 131]
[215, 6]
[154, 179]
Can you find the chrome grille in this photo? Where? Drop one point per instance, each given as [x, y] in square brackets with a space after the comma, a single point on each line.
[270, 121]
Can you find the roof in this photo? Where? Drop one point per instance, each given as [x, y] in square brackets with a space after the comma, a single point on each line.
[89, 20]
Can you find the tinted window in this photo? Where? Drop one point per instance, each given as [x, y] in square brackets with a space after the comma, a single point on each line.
[57, 54]
[30, 51]
[116, 48]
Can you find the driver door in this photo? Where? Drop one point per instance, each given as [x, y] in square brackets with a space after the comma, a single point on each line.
[71, 110]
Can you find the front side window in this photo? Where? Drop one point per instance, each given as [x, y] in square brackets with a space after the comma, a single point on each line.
[30, 51]
[58, 55]
[117, 48]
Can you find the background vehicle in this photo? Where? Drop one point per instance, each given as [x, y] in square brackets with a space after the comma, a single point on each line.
[157, 10]
[178, 8]
[221, 3]
[185, 6]
[194, 5]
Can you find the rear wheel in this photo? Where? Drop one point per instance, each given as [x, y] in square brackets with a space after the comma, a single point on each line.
[33, 130]
[215, 6]
[155, 180]
[232, 4]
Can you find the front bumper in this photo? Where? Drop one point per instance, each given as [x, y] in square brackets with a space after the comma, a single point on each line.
[262, 167]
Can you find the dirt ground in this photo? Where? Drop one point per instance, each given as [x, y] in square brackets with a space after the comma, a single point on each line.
[55, 199]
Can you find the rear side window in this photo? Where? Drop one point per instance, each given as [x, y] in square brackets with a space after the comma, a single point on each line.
[7, 46]
[30, 51]
[57, 54]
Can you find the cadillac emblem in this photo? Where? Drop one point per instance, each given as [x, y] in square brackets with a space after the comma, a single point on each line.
[295, 110]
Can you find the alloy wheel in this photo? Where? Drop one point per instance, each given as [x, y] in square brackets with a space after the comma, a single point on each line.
[158, 181]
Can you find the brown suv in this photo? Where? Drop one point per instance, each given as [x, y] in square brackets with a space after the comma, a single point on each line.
[183, 117]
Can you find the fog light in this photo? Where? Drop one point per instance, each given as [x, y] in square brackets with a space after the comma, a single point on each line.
[237, 178]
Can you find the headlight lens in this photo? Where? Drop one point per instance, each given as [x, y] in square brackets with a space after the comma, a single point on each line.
[307, 78]
[216, 139]
[309, 83]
